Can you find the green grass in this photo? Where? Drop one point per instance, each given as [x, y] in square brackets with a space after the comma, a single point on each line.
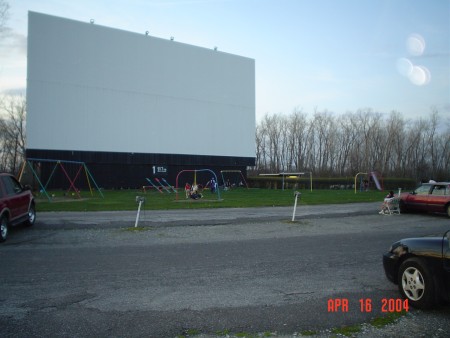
[347, 330]
[389, 319]
[309, 333]
[237, 198]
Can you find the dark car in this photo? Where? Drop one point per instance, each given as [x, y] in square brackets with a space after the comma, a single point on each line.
[429, 197]
[421, 269]
[17, 205]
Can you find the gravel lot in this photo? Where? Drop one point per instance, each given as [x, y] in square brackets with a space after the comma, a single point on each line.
[192, 227]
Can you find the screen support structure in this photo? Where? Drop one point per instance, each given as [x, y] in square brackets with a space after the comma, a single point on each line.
[60, 164]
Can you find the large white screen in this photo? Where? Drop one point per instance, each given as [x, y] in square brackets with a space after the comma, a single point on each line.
[93, 88]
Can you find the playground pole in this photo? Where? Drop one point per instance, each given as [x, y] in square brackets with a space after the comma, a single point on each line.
[162, 185]
[21, 170]
[72, 183]
[93, 180]
[169, 185]
[39, 181]
[356, 178]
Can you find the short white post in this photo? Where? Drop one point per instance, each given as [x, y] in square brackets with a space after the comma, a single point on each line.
[296, 194]
[140, 200]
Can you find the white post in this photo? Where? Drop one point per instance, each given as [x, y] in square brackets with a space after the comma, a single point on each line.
[141, 200]
[296, 194]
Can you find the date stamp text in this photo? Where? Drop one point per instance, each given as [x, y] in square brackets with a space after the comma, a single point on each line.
[388, 305]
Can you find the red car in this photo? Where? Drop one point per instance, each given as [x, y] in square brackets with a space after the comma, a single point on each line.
[16, 205]
[429, 197]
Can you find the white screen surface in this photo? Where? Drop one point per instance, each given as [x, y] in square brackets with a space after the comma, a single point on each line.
[93, 88]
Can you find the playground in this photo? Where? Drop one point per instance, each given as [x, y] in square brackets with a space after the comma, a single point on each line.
[235, 198]
[71, 172]
[196, 184]
[192, 189]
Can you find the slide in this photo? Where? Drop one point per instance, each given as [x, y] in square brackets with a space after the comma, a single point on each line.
[375, 179]
[154, 186]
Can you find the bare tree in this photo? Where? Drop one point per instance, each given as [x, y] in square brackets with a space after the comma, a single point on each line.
[345, 142]
[4, 14]
[362, 141]
[298, 123]
[261, 148]
[12, 132]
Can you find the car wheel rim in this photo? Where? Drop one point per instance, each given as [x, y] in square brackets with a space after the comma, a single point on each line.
[413, 284]
[3, 230]
[31, 216]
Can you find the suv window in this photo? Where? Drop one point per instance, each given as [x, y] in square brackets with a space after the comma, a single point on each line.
[439, 190]
[12, 187]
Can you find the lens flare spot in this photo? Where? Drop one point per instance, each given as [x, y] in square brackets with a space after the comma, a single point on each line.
[404, 66]
[415, 44]
[420, 76]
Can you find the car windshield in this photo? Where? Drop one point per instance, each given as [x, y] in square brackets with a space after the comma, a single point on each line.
[423, 189]
[11, 185]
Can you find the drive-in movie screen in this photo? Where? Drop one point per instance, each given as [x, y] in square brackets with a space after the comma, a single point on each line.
[225, 168]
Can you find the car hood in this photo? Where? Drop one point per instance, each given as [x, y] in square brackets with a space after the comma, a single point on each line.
[423, 246]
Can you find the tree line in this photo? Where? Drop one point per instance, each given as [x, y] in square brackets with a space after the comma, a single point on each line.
[12, 117]
[12, 133]
[326, 144]
[342, 145]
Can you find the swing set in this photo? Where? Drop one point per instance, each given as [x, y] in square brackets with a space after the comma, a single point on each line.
[81, 166]
[194, 183]
[237, 176]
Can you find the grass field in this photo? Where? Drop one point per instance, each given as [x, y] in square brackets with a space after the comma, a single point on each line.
[237, 198]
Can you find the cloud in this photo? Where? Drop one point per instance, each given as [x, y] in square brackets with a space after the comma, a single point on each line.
[13, 61]
[15, 92]
[12, 42]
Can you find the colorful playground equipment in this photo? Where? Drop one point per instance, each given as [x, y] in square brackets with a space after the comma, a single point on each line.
[31, 163]
[194, 181]
[153, 185]
[162, 185]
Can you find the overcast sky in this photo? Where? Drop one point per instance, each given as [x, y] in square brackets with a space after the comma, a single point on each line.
[310, 54]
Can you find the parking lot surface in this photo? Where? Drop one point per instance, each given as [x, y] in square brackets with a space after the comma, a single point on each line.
[205, 272]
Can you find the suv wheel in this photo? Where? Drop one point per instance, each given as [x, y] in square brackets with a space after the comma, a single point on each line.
[31, 215]
[3, 229]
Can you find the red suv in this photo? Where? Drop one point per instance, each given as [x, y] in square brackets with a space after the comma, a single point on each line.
[429, 197]
[16, 205]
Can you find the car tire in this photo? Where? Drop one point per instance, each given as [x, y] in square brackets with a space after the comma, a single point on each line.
[402, 207]
[415, 283]
[31, 215]
[3, 229]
